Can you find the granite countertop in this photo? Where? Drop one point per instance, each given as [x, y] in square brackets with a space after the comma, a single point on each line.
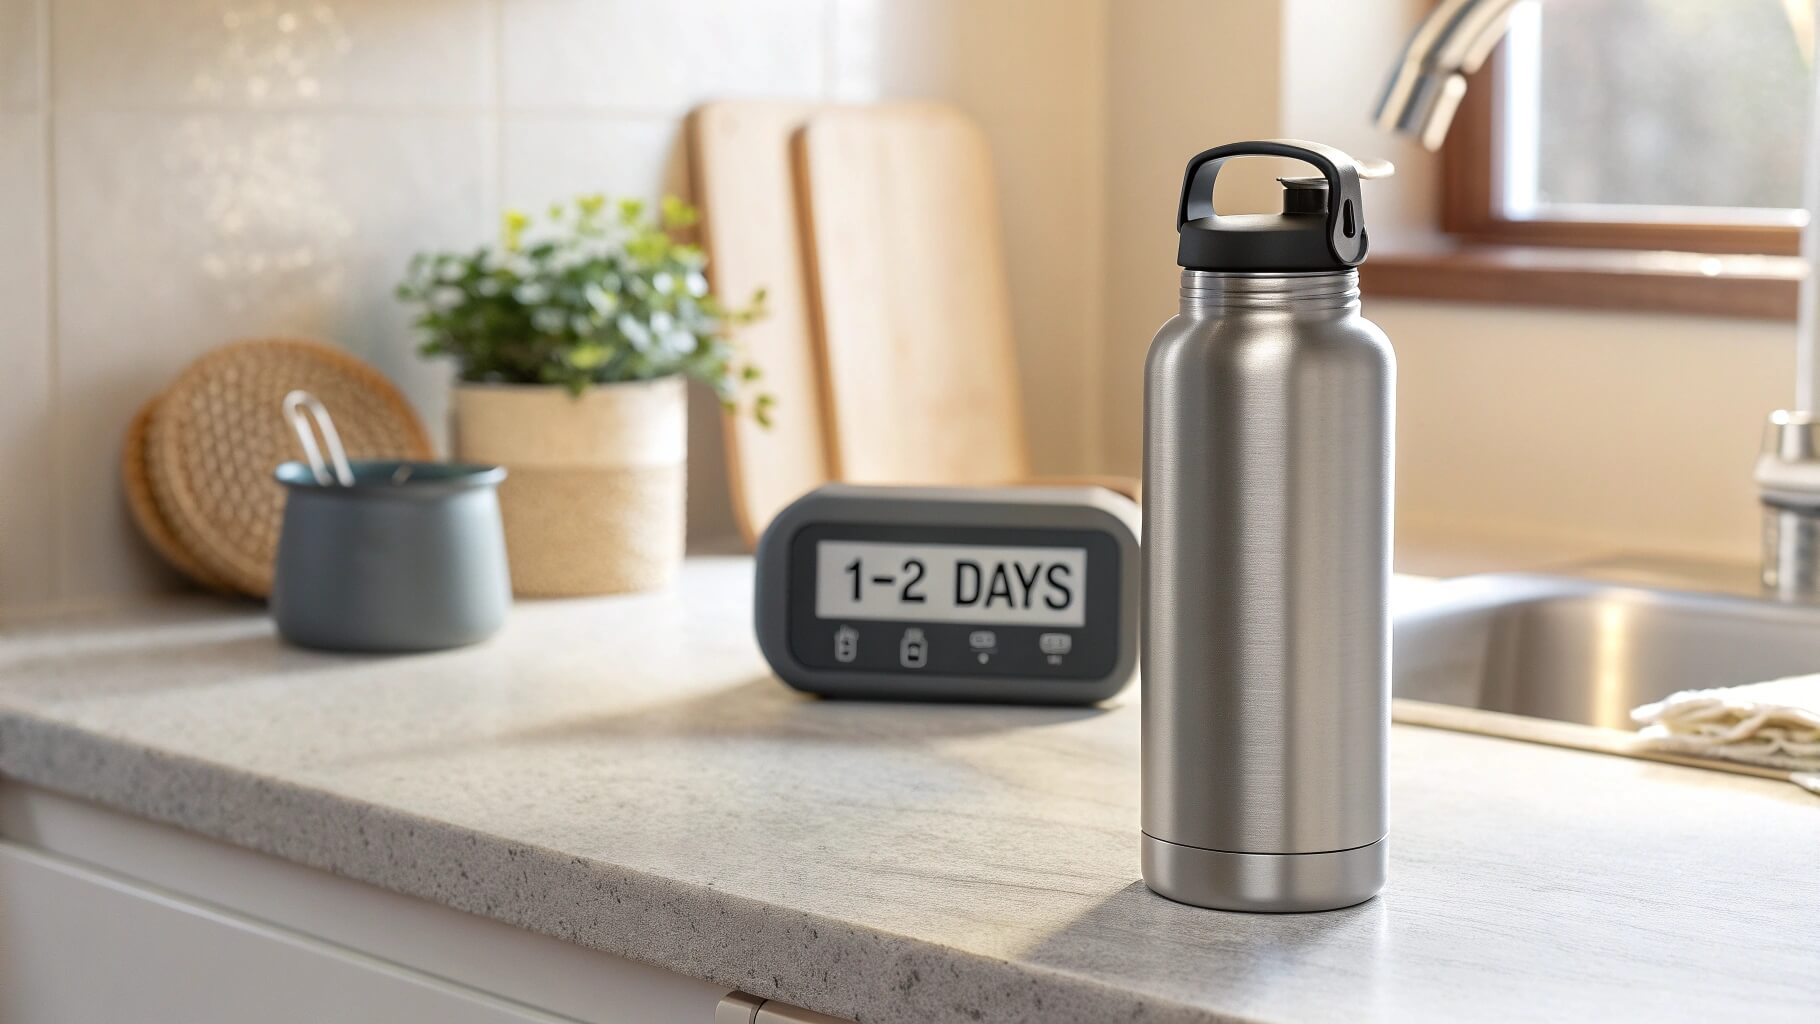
[625, 774]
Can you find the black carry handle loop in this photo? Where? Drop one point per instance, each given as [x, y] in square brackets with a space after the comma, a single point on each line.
[1345, 212]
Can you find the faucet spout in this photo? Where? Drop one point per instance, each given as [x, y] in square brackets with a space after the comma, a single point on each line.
[1429, 80]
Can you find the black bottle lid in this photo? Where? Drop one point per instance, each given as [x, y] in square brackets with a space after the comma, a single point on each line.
[1316, 232]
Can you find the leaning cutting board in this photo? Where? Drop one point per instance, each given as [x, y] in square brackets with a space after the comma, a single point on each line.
[745, 185]
[908, 271]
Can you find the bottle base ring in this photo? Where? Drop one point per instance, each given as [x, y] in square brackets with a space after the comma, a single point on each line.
[1264, 883]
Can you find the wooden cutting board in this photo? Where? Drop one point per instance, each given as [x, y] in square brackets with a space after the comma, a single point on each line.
[908, 271]
[745, 185]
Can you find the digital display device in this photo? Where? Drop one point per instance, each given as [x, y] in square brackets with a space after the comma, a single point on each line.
[1003, 594]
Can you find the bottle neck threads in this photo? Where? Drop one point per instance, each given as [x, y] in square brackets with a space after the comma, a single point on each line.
[1207, 291]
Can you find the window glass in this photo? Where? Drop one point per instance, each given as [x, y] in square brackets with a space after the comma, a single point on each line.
[1617, 109]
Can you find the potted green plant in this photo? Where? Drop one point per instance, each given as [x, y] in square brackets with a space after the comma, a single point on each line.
[572, 340]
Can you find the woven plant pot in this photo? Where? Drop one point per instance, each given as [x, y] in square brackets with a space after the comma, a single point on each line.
[593, 499]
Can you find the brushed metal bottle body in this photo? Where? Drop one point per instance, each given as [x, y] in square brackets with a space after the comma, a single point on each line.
[1266, 645]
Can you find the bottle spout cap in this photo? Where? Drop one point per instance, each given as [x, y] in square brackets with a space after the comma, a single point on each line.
[1314, 233]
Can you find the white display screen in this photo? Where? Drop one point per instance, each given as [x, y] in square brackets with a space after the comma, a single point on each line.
[951, 583]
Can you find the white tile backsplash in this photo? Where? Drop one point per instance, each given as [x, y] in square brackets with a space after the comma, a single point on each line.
[21, 57]
[367, 53]
[636, 55]
[552, 157]
[235, 168]
[202, 228]
[27, 506]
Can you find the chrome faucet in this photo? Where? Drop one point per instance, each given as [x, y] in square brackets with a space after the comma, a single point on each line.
[1788, 481]
[1427, 84]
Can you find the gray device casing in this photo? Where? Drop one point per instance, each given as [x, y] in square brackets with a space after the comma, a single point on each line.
[1035, 508]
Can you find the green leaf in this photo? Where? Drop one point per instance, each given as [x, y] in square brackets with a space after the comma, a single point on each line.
[589, 357]
[678, 214]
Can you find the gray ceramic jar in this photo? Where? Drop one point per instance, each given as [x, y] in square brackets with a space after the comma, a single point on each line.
[412, 557]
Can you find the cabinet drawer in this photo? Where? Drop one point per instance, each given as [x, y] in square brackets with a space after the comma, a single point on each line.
[517, 970]
[80, 945]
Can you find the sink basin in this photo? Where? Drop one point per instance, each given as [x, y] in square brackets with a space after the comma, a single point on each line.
[1578, 650]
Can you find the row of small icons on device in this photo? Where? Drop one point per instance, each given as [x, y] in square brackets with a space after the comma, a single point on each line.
[913, 650]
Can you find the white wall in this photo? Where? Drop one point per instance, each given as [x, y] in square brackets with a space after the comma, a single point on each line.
[1582, 433]
[1183, 75]
[178, 173]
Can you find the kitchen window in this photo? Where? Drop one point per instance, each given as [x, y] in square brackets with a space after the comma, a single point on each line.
[1591, 164]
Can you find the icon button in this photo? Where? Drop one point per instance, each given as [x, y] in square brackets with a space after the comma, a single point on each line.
[984, 643]
[846, 644]
[913, 652]
[1054, 646]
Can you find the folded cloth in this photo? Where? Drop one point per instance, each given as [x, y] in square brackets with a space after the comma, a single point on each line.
[1774, 724]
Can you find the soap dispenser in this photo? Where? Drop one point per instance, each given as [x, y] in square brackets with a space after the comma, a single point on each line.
[1267, 533]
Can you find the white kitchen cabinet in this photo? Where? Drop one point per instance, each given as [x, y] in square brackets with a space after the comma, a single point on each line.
[79, 945]
[104, 917]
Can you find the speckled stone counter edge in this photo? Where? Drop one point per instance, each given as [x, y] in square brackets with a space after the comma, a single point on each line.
[769, 950]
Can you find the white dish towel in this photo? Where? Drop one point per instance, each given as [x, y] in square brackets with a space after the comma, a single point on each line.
[1774, 724]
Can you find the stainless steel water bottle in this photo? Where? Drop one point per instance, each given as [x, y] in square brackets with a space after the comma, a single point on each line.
[1267, 491]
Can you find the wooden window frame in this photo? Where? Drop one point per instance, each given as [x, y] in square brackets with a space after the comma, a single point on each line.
[1733, 270]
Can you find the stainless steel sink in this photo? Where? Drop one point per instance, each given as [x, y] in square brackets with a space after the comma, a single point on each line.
[1579, 650]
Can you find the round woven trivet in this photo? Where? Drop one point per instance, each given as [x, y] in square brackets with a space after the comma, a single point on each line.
[220, 430]
[144, 507]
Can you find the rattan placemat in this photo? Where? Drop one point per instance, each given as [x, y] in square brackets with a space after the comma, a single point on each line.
[144, 506]
[220, 431]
